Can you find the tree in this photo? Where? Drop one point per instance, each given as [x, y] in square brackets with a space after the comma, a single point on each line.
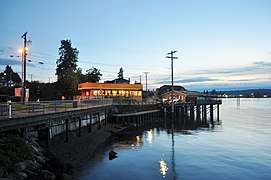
[67, 79]
[120, 73]
[81, 77]
[9, 74]
[93, 75]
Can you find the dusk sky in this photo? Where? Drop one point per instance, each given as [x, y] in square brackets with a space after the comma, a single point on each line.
[221, 44]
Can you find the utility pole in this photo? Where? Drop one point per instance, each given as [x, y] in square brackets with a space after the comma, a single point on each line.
[24, 68]
[172, 87]
[146, 73]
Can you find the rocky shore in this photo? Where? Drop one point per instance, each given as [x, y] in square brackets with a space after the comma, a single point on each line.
[62, 160]
[25, 159]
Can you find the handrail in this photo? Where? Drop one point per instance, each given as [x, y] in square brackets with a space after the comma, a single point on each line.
[15, 109]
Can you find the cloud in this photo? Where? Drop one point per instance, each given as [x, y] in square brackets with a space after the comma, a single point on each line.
[6, 49]
[258, 67]
[262, 63]
[189, 80]
[195, 79]
[257, 74]
[5, 61]
[225, 87]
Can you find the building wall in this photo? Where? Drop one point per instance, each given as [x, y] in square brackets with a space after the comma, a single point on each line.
[93, 90]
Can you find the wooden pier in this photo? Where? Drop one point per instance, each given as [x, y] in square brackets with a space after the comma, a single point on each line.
[195, 113]
[136, 117]
[49, 121]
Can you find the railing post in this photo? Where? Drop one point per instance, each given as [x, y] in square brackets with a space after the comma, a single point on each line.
[67, 130]
[105, 117]
[47, 137]
[79, 126]
[217, 109]
[9, 109]
[99, 121]
[90, 122]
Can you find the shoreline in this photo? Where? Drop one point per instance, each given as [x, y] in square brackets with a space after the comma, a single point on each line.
[78, 151]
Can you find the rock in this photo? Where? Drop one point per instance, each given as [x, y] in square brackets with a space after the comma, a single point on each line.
[19, 166]
[33, 142]
[3, 172]
[33, 166]
[48, 175]
[35, 150]
[41, 159]
[18, 175]
[30, 174]
[112, 155]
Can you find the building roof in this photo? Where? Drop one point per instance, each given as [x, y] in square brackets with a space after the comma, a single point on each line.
[109, 86]
[119, 81]
[174, 92]
[166, 88]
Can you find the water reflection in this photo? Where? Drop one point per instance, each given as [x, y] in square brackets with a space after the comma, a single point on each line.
[150, 136]
[138, 142]
[163, 167]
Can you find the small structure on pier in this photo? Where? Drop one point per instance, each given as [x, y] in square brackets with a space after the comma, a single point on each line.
[190, 106]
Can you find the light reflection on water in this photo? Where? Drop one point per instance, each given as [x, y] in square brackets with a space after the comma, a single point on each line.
[163, 167]
[149, 136]
[239, 148]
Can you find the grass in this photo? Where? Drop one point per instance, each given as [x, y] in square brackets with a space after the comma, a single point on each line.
[20, 107]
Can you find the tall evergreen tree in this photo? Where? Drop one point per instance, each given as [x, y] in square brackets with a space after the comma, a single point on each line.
[120, 73]
[67, 79]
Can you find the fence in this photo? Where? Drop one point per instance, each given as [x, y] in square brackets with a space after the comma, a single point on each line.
[15, 109]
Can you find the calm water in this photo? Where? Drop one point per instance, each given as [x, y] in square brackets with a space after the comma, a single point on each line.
[239, 148]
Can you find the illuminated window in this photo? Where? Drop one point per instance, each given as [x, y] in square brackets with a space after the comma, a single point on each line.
[95, 93]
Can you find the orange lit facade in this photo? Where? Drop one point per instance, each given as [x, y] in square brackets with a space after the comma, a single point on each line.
[95, 90]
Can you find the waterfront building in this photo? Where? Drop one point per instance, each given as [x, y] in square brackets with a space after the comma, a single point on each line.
[178, 96]
[116, 88]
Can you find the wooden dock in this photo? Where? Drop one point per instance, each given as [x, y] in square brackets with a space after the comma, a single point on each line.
[136, 117]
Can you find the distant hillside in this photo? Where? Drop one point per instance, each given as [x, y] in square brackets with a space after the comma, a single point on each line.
[257, 93]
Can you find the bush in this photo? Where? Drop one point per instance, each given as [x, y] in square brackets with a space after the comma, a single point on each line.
[13, 149]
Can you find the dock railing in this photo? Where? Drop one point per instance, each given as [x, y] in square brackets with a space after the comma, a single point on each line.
[16, 109]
